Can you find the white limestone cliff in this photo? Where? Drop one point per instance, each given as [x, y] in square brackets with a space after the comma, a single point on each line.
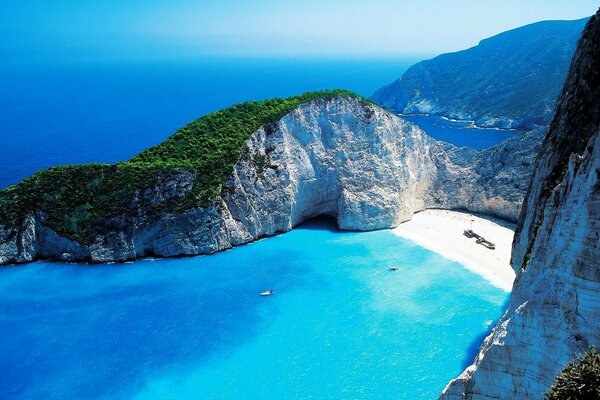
[554, 311]
[341, 157]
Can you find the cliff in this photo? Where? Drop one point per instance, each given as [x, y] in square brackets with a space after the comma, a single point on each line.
[510, 80]
[338, 155]
[554, 310]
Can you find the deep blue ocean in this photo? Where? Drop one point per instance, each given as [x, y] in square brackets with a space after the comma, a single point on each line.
[340, 325]
[62, 114]
[103, 112]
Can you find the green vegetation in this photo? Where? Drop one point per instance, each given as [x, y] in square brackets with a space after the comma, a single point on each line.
[76, 197]
[212, 145]
[79, 200]
[579, 380]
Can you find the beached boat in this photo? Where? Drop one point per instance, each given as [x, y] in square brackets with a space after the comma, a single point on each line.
[480, 239]
[471, 234]
[486, 243]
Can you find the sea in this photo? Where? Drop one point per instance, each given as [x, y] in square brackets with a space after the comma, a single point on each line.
[461, 133]
[339, 324]
[105, 112]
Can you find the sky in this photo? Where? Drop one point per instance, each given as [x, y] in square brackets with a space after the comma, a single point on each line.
[69, 30]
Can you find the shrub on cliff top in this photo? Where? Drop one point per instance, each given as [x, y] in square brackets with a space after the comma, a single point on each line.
[579, 380]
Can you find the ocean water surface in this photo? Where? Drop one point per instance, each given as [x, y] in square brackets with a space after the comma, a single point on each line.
[106, 112]
[340, 324]
[461, 133]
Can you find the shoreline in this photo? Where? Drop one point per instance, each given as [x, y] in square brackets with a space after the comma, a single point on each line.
[471, 122]
[441, 231]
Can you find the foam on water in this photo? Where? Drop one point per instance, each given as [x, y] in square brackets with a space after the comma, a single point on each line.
[340, 324]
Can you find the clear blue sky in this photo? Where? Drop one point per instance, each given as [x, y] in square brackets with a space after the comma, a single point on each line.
[125, 29]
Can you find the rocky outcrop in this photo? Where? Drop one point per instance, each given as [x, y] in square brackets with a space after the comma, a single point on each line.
[489, 182]
[511, 80]
[341, 157]
[554, 310]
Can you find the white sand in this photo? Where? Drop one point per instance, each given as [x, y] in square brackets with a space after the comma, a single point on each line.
[442, 232]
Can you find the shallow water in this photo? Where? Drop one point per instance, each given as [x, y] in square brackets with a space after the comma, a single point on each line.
[340, 324]
[461, 133]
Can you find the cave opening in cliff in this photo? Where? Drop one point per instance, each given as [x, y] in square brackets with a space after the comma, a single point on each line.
[320, 222]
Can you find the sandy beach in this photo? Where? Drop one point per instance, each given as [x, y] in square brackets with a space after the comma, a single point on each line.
[442, 232]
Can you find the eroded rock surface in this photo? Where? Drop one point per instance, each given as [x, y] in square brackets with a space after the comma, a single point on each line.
[341, 157]
[554, 312]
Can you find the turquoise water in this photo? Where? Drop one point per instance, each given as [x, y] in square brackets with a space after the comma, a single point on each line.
[339, 326]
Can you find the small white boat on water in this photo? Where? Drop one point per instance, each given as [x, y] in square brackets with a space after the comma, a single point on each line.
[267, 292]
[393, 268]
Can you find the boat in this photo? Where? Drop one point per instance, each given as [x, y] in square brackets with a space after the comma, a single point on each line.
[393, 268]
[486, 243]
[471, 234]
[267, 292]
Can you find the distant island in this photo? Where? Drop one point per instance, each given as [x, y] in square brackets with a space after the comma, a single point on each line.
[510, 80]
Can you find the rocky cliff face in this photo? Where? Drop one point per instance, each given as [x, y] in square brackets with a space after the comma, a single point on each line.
[554, 311]
[340, 157]
[510, 80]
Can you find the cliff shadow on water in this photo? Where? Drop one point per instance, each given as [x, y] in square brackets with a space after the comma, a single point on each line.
[475, 344]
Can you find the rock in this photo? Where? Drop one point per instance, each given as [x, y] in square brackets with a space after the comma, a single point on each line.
[340, 157]
[554, 310]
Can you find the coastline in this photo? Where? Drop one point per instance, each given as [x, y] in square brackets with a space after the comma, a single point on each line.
[471, 122]
[441, 231]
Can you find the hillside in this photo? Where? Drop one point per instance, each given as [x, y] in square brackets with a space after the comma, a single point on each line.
[509, 80]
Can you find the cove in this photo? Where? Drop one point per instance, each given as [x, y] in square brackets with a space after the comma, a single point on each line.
[340, 324]
[460, 133]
